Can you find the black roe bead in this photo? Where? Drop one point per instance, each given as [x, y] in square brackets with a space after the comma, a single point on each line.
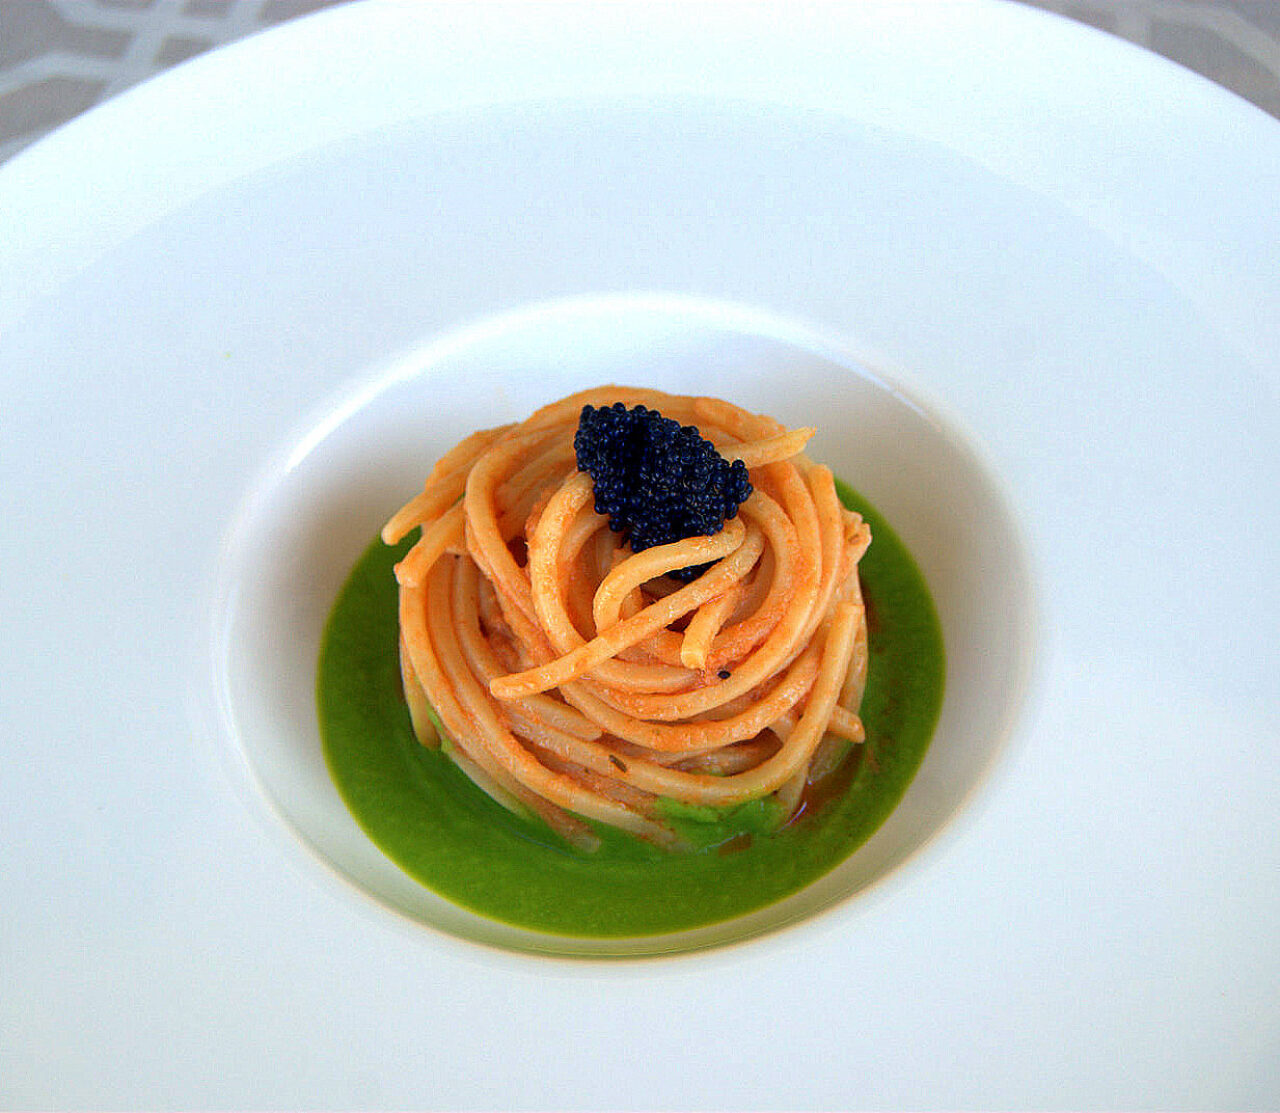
[656, 480]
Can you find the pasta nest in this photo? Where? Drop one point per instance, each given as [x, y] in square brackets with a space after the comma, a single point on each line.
[579, 680]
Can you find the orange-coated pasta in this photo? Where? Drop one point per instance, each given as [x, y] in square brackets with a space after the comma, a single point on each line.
[574, 678]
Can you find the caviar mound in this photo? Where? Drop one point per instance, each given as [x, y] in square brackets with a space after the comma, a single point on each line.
[656, 480]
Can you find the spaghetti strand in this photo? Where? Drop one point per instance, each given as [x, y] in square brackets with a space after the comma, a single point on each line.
[575, 678]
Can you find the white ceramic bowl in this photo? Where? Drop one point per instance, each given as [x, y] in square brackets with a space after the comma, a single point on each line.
[321, 501]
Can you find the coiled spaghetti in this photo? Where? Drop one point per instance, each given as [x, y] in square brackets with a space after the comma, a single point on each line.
[575, 678]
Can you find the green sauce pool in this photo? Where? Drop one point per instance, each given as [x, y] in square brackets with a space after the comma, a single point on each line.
[439, 828]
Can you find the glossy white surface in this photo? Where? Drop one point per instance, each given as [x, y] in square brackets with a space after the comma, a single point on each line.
[301, 526]
[1070, 254]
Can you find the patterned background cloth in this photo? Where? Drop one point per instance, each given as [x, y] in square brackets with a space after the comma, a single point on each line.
[61, 57]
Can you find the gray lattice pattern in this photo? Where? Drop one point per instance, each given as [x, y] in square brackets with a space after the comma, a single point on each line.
[60, 57]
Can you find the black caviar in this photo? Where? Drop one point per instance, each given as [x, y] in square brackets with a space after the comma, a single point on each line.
[657, 480]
